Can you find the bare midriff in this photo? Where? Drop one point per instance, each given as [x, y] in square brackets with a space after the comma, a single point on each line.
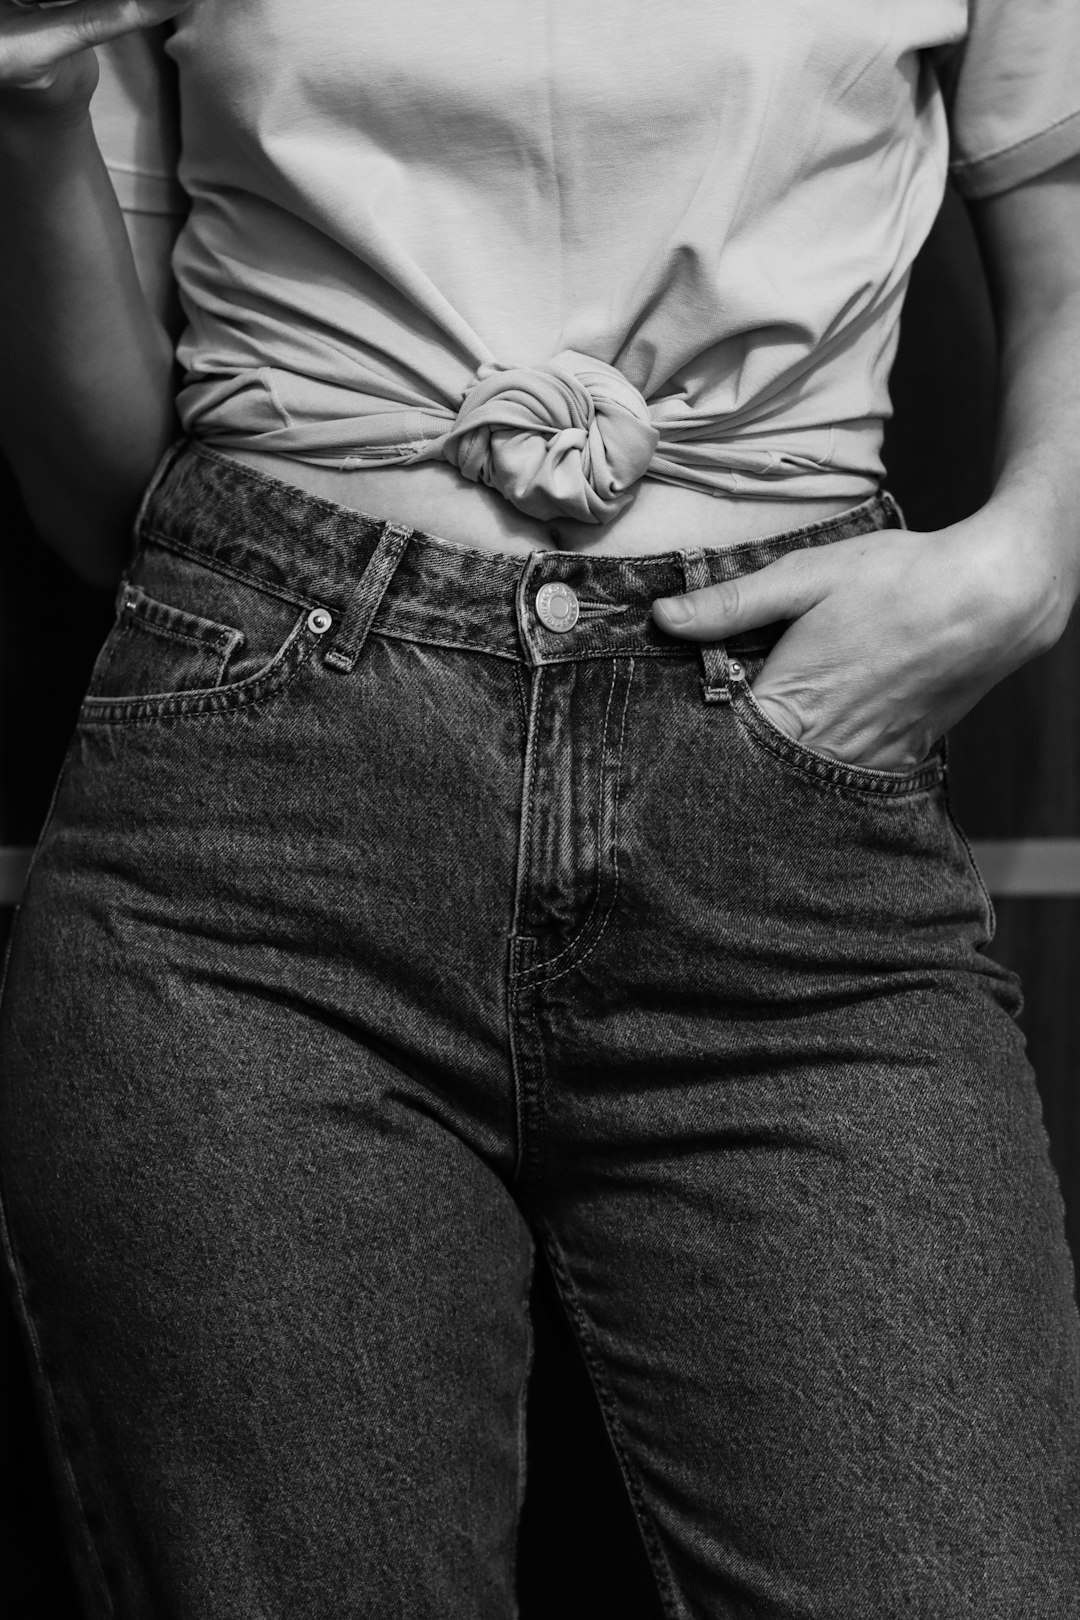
[434, 497]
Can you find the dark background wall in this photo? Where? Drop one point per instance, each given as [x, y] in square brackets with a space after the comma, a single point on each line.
[1015, 770]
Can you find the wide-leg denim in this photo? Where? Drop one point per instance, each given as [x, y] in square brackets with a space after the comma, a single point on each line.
[381, 929]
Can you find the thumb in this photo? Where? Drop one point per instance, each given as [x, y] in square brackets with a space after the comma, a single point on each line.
[784, 589]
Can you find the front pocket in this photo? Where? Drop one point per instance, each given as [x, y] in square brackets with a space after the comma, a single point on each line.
[190, 637]
[765, 735]
[153, 641]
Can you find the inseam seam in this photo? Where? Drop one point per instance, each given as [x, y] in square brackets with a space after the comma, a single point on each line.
[582, 1331]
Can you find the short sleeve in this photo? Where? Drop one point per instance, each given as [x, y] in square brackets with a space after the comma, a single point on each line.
[1013, 92]
[135, 118]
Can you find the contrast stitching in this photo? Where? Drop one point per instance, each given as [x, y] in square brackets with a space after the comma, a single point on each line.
[366, 600]
[585, 926]
[540, 972]
[518, 949]
[518, 1080]
[523, 707]
[443, 641]
[216, 565]
[677, 651]
[200, 705]
[217, 644]
[835, 774]
[139, 605]
[586, 656]
[602, 930]
[525, 841]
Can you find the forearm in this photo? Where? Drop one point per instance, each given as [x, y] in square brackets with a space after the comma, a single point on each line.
[1038, 448]
[86, 368]
[1031, 245]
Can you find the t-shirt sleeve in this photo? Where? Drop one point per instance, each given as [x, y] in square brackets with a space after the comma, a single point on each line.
[135, 118]
[1013, 93]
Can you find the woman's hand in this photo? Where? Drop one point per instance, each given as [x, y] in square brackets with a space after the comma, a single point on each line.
[47, 64]
[893, 635]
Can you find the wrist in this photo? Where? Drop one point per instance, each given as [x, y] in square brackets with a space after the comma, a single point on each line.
[52, 107]
[1028, 556]
[29, 119]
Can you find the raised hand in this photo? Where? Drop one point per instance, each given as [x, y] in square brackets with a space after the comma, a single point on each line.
[47, 62]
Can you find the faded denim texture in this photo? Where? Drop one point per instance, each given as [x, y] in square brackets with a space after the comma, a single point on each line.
[380, 932]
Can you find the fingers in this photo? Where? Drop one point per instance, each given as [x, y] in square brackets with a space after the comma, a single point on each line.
[60, 27]
[785, 589]
[92, 10]
[36, 39]
[94, 21]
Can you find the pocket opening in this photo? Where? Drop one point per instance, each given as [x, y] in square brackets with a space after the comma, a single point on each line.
[159, 618]
[872, 780]
[185, 632]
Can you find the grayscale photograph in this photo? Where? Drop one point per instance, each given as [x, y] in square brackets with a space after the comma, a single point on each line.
[540, 809]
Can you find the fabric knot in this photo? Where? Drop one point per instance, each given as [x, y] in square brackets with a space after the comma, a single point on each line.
[569, 437]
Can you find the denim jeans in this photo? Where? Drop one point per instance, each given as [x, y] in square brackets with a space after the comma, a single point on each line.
[394, 915]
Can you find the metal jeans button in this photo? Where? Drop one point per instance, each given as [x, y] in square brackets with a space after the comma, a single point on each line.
[557, 606]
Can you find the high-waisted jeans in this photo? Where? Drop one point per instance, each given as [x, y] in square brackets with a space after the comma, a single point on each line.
[397, 913]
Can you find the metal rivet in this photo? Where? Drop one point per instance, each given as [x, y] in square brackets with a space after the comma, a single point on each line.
[319, 621]
[557, 606]
[735, 669]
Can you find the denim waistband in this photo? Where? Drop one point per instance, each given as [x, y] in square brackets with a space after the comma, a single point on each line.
[312, 550]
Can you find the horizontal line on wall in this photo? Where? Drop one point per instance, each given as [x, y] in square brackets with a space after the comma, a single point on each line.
[1030, 867]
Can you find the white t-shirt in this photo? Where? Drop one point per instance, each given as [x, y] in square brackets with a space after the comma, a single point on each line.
[567, 245]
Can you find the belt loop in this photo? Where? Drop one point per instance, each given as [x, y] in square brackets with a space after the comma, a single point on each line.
[894, 510]
[364, 603]
[715, 687]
